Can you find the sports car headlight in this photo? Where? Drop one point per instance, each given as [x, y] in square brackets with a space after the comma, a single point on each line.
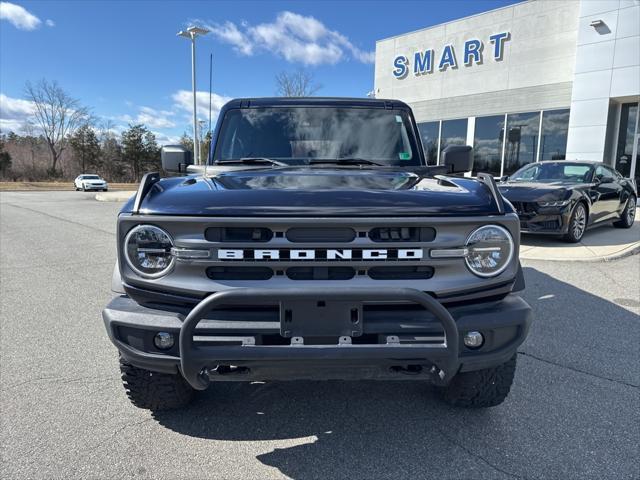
[489, 249]
[562, 203]
[147, 250]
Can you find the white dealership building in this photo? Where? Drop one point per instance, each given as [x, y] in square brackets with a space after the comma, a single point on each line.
[562, 75]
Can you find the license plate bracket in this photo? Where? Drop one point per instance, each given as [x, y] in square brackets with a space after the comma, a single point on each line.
[320, 318]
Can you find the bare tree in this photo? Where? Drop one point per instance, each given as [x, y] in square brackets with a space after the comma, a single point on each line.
[32, 141]
[106, 129]
[57, 114]
[296, 84]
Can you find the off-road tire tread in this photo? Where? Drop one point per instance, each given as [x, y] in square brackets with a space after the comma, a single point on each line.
[155, 391]
[482, 388]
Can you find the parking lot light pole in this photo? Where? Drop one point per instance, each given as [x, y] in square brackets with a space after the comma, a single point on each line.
[191, 33]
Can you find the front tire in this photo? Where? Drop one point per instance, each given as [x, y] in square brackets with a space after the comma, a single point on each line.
[481, 388]
[155, 391]
[628, 214]
[577, 224]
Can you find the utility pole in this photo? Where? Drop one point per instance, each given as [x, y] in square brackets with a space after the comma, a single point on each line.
[191, 33]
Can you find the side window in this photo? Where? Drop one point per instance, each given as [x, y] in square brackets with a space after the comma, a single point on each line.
[604, 174]
[530, 173]
[614, 175]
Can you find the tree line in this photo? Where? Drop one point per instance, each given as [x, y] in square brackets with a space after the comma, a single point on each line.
[63, 140]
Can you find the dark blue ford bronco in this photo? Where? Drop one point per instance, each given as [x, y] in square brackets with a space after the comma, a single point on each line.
[317, 244]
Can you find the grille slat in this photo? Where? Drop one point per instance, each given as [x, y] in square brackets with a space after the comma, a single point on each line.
[320, 235]
[402, 234]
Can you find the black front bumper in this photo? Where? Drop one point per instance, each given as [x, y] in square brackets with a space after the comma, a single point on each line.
[545, 221]
[365, 332]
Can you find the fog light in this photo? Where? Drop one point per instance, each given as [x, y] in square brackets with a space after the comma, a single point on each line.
[163, 340]
[473, 339]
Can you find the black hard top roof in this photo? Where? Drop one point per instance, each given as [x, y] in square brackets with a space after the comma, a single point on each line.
[314, 101]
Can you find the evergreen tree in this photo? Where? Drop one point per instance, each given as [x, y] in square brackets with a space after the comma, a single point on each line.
[186, 141]
[5, 159]
[140, 150]
[86, 147]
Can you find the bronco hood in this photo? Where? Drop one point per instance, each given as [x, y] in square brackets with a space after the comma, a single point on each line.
[321, 192]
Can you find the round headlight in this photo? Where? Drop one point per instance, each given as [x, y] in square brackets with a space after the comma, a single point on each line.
[147, 250]
[489, 250]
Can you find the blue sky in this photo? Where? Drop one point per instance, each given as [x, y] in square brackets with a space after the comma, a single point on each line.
[123, 59]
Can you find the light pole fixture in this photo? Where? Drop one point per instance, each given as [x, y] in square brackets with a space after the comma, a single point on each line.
[191, 33]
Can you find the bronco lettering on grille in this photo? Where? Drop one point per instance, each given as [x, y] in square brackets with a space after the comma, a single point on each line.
[349, 254]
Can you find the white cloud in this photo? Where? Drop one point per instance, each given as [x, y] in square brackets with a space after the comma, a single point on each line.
[50, 23]
[164, 139]
[155, 118]
[150, 117]
[229, 33]
[296, 38]
[184, 100]
[14, 112]
[21, 18]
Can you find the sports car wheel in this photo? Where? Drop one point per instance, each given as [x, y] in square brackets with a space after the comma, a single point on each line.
[628, 215]
[577, 224]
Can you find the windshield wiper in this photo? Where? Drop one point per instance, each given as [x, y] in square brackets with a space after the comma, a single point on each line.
[251, 161]
[345, 161]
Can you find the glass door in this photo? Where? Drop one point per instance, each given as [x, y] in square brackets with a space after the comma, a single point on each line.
[635, 163]
[627, 150]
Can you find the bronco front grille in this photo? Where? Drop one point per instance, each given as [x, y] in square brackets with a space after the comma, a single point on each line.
[320, 273]
[224, 252]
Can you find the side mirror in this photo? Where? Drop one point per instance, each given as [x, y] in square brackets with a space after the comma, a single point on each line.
[175, 158]
[504, 178]
[458, 158]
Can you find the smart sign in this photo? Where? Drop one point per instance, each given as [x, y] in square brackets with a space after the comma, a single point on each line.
[424, 62]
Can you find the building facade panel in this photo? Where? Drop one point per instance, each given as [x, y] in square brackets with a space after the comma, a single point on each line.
[572, 67]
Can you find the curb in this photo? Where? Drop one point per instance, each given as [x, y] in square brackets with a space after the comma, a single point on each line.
[121, 196]
[627, 252]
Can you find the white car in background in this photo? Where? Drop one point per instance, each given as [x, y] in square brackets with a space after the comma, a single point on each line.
[90, 182]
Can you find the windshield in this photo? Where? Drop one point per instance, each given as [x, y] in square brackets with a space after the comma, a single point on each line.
[300, 135]
[553, 172]
[90, 177]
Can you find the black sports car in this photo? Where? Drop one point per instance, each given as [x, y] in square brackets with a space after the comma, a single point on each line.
[567, 197]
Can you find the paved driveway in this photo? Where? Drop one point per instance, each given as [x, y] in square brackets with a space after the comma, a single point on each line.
[573, 411]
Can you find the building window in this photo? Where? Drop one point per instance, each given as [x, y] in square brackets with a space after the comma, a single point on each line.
[553, 144]
[626, 139]
[429, 135]
[521, 141]
[454, 132]
[487, 145]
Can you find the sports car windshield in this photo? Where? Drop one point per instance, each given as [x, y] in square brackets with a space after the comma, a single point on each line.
[308, 134]
[553, 172]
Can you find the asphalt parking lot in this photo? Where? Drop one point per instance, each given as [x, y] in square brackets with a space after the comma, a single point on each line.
[572, 413]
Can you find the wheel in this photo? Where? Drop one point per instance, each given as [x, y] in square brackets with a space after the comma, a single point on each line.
[155, 391]
[577, 224]
[482, 388]
[628, 214]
